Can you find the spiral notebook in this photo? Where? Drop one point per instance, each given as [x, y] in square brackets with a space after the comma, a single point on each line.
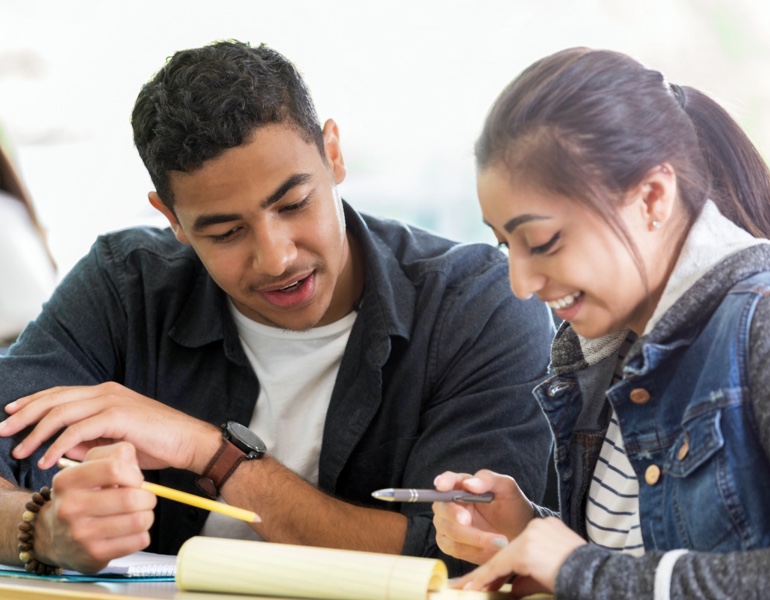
[146, 566]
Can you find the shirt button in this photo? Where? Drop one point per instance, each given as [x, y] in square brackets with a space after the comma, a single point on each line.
[652, 474]
[683, 449]
[639, 396]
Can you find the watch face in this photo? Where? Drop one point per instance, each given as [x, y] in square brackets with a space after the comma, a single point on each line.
[245, 439]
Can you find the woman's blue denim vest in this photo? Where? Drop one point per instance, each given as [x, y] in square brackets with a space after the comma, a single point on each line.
[686, 416]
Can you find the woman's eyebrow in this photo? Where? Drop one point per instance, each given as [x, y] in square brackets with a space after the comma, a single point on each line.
[521, 219]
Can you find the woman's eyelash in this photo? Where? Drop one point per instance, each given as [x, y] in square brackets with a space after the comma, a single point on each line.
[547, 246]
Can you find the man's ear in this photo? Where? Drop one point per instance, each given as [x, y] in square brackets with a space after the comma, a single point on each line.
[159, 205]
[333, 151]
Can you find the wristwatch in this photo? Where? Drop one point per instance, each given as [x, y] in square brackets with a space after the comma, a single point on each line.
[239, 443]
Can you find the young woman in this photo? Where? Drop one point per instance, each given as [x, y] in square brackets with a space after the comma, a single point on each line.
[638, 210]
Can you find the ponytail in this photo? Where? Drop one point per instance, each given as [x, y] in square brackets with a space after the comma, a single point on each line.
[740, 179]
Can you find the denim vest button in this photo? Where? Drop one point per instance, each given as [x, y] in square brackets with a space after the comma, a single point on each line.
[557, 388]
[652, 474]
[683, 449]
[639, 396]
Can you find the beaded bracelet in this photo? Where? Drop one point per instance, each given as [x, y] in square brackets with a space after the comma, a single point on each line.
[26, 535]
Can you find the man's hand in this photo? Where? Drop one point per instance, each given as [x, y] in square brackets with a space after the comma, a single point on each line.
[97, 511]
[475, 532]
[98, 415]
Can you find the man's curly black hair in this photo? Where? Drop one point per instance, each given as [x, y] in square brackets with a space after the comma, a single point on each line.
[207, 100]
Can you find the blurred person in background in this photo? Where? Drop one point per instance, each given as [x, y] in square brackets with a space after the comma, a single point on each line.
[27, 267]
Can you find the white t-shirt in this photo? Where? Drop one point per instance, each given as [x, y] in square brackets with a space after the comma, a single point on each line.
[26, 273]
[296, 371]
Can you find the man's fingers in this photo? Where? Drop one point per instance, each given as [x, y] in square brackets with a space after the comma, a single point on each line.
[97, 554]
[106, 503]
[95, 474]
[45, 399]
[17, 405]
[123, 451]
[98, 509]
[82, 422]
[49, 418]
[98, 427]
[109, 525]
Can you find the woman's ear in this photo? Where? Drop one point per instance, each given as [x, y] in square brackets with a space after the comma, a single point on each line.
[658, 195]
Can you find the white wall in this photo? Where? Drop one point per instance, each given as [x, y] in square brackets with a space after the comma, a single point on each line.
[409, 83]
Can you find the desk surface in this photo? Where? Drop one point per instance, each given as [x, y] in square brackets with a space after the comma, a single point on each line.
[12, 588]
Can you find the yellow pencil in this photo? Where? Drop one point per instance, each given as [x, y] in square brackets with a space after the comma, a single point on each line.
[185, 498]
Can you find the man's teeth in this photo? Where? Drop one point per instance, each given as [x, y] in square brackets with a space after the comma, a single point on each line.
[289, 287]
[564, 302]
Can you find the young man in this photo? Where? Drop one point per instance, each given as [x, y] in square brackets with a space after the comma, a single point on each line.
[364, 353]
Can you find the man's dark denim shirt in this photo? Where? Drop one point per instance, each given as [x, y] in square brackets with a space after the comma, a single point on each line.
[437, 374]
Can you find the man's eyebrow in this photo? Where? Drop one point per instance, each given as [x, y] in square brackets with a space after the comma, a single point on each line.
[284, 188]
[521, 219]
[204, 221]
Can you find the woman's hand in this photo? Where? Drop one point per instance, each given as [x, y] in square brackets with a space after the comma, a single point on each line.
[475, 532]
[535, 556]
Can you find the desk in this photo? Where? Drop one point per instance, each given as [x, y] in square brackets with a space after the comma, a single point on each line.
[33, 589]
[12, 588]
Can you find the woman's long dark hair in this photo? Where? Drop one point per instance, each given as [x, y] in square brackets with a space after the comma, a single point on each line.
[590, 124]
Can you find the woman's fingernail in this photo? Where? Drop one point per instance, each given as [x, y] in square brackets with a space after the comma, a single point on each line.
[499, 542]
[18, 448]
[10, 405]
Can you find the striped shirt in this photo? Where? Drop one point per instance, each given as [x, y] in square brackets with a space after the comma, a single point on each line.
[612, 512]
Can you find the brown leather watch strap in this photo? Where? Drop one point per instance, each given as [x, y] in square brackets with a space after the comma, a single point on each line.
[220, 467]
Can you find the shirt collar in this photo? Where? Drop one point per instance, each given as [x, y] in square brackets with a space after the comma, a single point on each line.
[712, 238]
[387, 300]
[388, 294]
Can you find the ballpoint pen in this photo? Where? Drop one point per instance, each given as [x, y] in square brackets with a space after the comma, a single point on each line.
[413, 495]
